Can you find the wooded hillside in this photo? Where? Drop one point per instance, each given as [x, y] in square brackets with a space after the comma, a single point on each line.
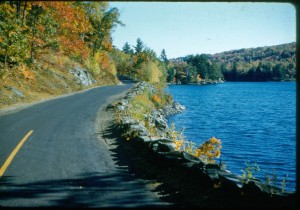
[259, 64]
[46, 45]
[272, 63]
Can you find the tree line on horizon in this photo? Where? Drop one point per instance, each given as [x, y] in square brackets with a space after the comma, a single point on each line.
[272, 63]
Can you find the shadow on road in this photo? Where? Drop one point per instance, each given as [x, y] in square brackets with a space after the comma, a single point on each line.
[115, 189]
[125, 156]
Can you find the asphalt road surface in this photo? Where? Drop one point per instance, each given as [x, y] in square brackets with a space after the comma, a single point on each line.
[52, 154]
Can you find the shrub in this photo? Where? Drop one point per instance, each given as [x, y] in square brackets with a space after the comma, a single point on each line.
[250, 170]
[176, 137]
[209, 150]
[140, 106]
[150, 72]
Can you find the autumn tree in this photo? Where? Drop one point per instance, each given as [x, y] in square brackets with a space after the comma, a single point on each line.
[13, 43]
[102, 22]
[73, 24]
[41, 29]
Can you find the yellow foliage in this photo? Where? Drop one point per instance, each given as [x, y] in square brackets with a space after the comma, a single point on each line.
[209, 150]
[140, 105]
[178, 144]
[150, 72]
[198, 78]
[176, 137]
[104, 62]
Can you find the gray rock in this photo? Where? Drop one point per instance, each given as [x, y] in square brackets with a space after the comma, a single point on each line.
[124, 102]
[212, 165]
[212, 173]
[145, 139]
[172, 156]
[15, 91]
[189, 165]
[230, 180]
[163, 145]
[140, 129]
[128, 121]
[174, 108]
[190, 157]
[83, 76]
[161, 123]
[252, 188]
[121, 108]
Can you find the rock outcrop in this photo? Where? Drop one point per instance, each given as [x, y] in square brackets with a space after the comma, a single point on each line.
[82, 76]
[15, 91]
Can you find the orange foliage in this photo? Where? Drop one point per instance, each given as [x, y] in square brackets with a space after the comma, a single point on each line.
[103, 60]
[73, 23]
[73, 46]
[107, 46]
[156, 98]
[209, 150]
[27, 74]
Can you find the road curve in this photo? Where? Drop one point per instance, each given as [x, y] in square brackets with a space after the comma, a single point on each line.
[63, 162]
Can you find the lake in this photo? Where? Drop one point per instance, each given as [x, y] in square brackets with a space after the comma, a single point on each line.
[256, 122]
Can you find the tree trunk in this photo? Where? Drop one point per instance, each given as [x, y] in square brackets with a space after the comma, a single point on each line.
[5, 74]
[32, 41]
[24, 12]
[5, 59]
[18, 3]
[31, 52]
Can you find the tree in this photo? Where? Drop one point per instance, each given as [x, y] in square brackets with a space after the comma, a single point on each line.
[70, 21]
[150, 72]
[102, 24]
[278, 72]
[181, 72]
[150, 54]
[42, 29]
[170, 74]
[13, 43]
[127, 49]
[163, 57]
[139, 46]
[215, 72]
[201, 63]
[234, 72]
[191, 74]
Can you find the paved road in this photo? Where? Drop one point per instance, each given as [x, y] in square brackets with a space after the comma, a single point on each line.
[64, 162]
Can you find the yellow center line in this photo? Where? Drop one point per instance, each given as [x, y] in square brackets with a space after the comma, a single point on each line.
[14, 152]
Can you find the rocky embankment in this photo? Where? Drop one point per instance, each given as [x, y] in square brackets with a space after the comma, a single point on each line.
[186, 179]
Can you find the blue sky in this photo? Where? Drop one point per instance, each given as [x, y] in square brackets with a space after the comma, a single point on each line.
[183, 28]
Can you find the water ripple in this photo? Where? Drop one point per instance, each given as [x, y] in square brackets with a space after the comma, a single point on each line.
[255, 122]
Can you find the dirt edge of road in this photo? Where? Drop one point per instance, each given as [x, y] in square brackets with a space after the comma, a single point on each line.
[20, 106]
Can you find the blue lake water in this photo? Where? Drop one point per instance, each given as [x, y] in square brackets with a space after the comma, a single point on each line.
[255, 121]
